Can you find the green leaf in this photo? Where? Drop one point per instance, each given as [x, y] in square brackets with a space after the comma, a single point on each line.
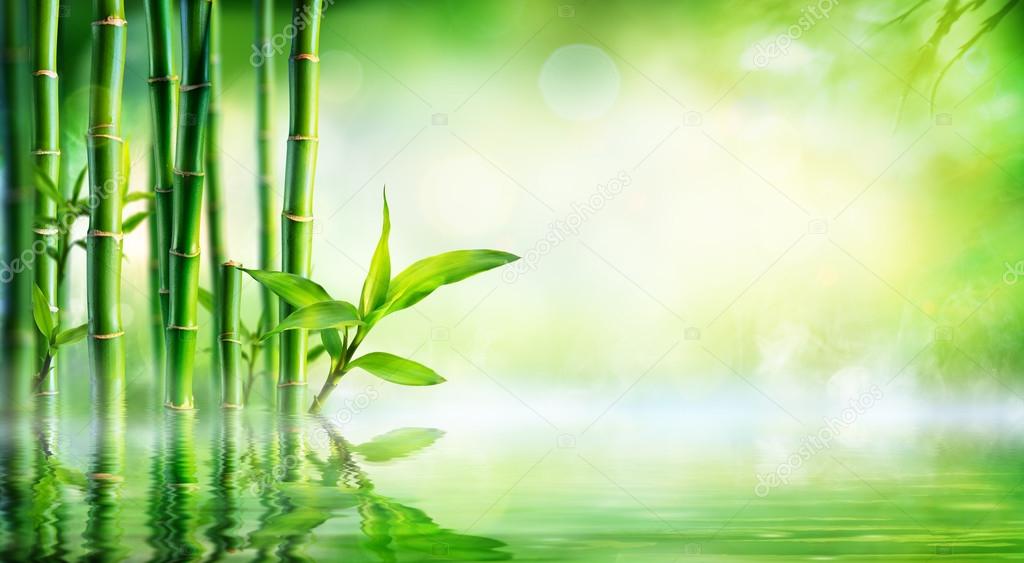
[79, 184]
[138, 196]
[46, 187]
[206, 300]
[132, 222]
[375, 288]
[333, 345]
[318, 316]
[398, 443]
[297, 291]
[315, 352]
[72, 335]
[41, 312]
[422, 278]
[390, 367]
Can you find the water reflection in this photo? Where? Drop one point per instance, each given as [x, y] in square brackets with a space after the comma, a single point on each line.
[231, 485]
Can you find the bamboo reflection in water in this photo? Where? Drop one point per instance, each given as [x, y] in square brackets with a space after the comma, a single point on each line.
[224, 506]
[49, 511]
[181, 485]
[16, 487]
[103, 529]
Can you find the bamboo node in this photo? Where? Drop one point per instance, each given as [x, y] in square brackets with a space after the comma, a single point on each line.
[230, 406]
[231, 340]
[190, 87]
[306, 57]
[293, 384]
[117, 235]
[232, 264]
[304, 138]
[46, 393]
[163, 190]
[111, 20]
[297, 218]
[105, 477]
[42, 152]
[174, 407]
[180, 172]
[105, 136]
[163, 291]
[169, 78]
[48, 231]
[184, 254]
[45, 72]
[192, 328]
[110, 336]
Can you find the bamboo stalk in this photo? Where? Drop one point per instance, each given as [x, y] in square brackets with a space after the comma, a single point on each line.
[268, 215]
[156, 312]
[163, 100]
[300, 172]
[69, 59]
[46, 152]
[17, 335]
[214, 203]
[188, 201]
[230, 338]
[105, 149]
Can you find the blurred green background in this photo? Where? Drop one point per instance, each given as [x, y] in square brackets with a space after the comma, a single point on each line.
[786, 200]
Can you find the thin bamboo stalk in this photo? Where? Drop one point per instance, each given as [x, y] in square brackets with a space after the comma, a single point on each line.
[105, 150]
[214, 203]
[188, 201]
[163, 100]
[230, 338]
[17, 334]
[300, 172]
[69, 59]
[46, 152]
[268, 214]
[156, 312]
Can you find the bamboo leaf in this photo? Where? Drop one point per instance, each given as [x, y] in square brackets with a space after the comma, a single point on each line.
[422, 278]
[332, 343]
[318, 316]
[206, 300]
[46, 187]
[390, 367]
[41, 312]
[79, 184]
[398, 443]
[375, 287]
[71, 335]
[295, 290]
[315, 352]
[132, 222]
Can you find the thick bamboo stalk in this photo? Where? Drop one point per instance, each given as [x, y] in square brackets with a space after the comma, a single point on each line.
[264, 11]
[17, 334]
[214, 203]
[230, 338]
[300, 172]
[105, 148]
[46, 152]
[188, 201]
[163, 100]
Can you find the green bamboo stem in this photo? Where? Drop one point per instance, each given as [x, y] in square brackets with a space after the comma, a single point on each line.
[69, 59]
[46, 152]
[105, 148]
[268, 215]
[214, 203]
[188, 202]
[300, 173]
[156, 312]
[17, 334]
[230, 338]
[163, 100]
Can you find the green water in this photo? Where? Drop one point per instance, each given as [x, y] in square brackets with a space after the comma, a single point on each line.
[212, 485]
